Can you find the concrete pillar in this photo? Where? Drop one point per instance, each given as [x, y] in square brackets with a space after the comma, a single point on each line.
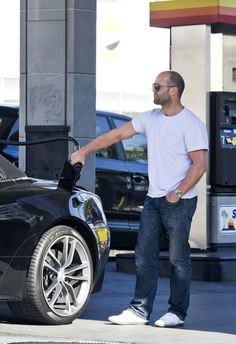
[190, 56]
[58, 76]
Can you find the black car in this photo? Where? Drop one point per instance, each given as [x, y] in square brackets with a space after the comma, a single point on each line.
[121, 173]
[54, 245]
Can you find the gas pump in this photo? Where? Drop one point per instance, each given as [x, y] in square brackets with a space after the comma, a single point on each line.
[221, 196]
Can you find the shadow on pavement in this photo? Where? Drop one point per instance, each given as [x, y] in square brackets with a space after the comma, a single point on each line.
[213, 304]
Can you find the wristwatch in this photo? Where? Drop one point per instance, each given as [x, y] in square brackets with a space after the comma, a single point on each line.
[178, 193]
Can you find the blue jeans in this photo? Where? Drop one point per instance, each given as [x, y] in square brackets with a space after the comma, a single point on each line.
[175, 219]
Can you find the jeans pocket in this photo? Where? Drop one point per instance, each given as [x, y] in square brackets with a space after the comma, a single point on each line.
[172, 203]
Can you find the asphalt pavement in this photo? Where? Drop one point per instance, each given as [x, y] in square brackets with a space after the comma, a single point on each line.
[211, 317]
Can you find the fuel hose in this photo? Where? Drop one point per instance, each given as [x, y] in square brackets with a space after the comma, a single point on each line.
[28, 143]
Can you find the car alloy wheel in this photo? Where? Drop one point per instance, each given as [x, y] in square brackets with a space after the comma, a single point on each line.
[59, 279]
[66, 275]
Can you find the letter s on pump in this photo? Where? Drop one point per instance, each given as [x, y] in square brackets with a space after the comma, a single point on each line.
[234, 214]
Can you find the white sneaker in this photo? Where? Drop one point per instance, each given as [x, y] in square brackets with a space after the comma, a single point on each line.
[169, 320]
[127, 317]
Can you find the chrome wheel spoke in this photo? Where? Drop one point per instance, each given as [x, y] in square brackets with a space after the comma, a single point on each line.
[71, 294]
[70, 252]
[54, 259]
[77, 268]
[56, 295]
[78, 278]
[50, 267]
[52, 287]
[65, 251]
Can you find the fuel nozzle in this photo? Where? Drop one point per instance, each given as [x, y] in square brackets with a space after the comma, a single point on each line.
[70, 175]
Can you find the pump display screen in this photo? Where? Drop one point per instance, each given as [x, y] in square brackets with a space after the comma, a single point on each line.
[228, 137]
[232, 112]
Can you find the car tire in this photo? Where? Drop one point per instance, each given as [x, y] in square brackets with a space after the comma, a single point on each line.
[59, 279]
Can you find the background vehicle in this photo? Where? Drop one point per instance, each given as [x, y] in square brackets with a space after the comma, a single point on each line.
[54, 245]
[121, 173]
[9, 130]
[121, 181]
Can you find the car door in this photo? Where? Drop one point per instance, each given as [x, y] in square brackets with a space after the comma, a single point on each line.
[113, 182]
[135, 153]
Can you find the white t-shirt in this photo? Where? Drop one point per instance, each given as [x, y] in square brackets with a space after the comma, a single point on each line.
[170, 138]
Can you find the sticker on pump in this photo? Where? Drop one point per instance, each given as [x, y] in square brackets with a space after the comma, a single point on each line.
[228, 140]
[234, 141]
[227, 219]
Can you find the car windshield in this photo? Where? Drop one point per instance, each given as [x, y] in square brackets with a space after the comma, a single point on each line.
[8, 170]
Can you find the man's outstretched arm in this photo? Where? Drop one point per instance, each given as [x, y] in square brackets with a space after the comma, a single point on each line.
[103, 141]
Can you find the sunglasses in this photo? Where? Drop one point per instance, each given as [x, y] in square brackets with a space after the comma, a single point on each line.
[156, 87]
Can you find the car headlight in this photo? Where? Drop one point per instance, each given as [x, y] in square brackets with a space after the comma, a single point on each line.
[89, 208]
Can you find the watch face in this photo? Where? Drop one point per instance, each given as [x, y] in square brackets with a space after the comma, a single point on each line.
[178, 193]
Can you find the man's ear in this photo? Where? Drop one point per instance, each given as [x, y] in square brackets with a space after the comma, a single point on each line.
[174, 91]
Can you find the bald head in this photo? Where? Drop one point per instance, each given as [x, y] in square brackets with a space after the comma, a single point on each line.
[174, 78]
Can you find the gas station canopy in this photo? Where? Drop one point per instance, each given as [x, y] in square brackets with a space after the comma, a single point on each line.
[191, 12]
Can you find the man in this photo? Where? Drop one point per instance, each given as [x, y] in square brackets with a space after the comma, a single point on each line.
[177, 145]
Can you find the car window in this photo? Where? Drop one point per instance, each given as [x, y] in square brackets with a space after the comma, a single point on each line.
[102, 126]
[8, 170]
[135, 147]
[7, 119]
[14, 133]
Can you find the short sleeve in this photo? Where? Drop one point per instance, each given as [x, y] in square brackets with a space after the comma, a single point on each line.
[142, 121]
[196, 136]
[139, 123]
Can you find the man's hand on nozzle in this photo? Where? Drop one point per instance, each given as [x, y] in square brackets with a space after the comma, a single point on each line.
[77, 156]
